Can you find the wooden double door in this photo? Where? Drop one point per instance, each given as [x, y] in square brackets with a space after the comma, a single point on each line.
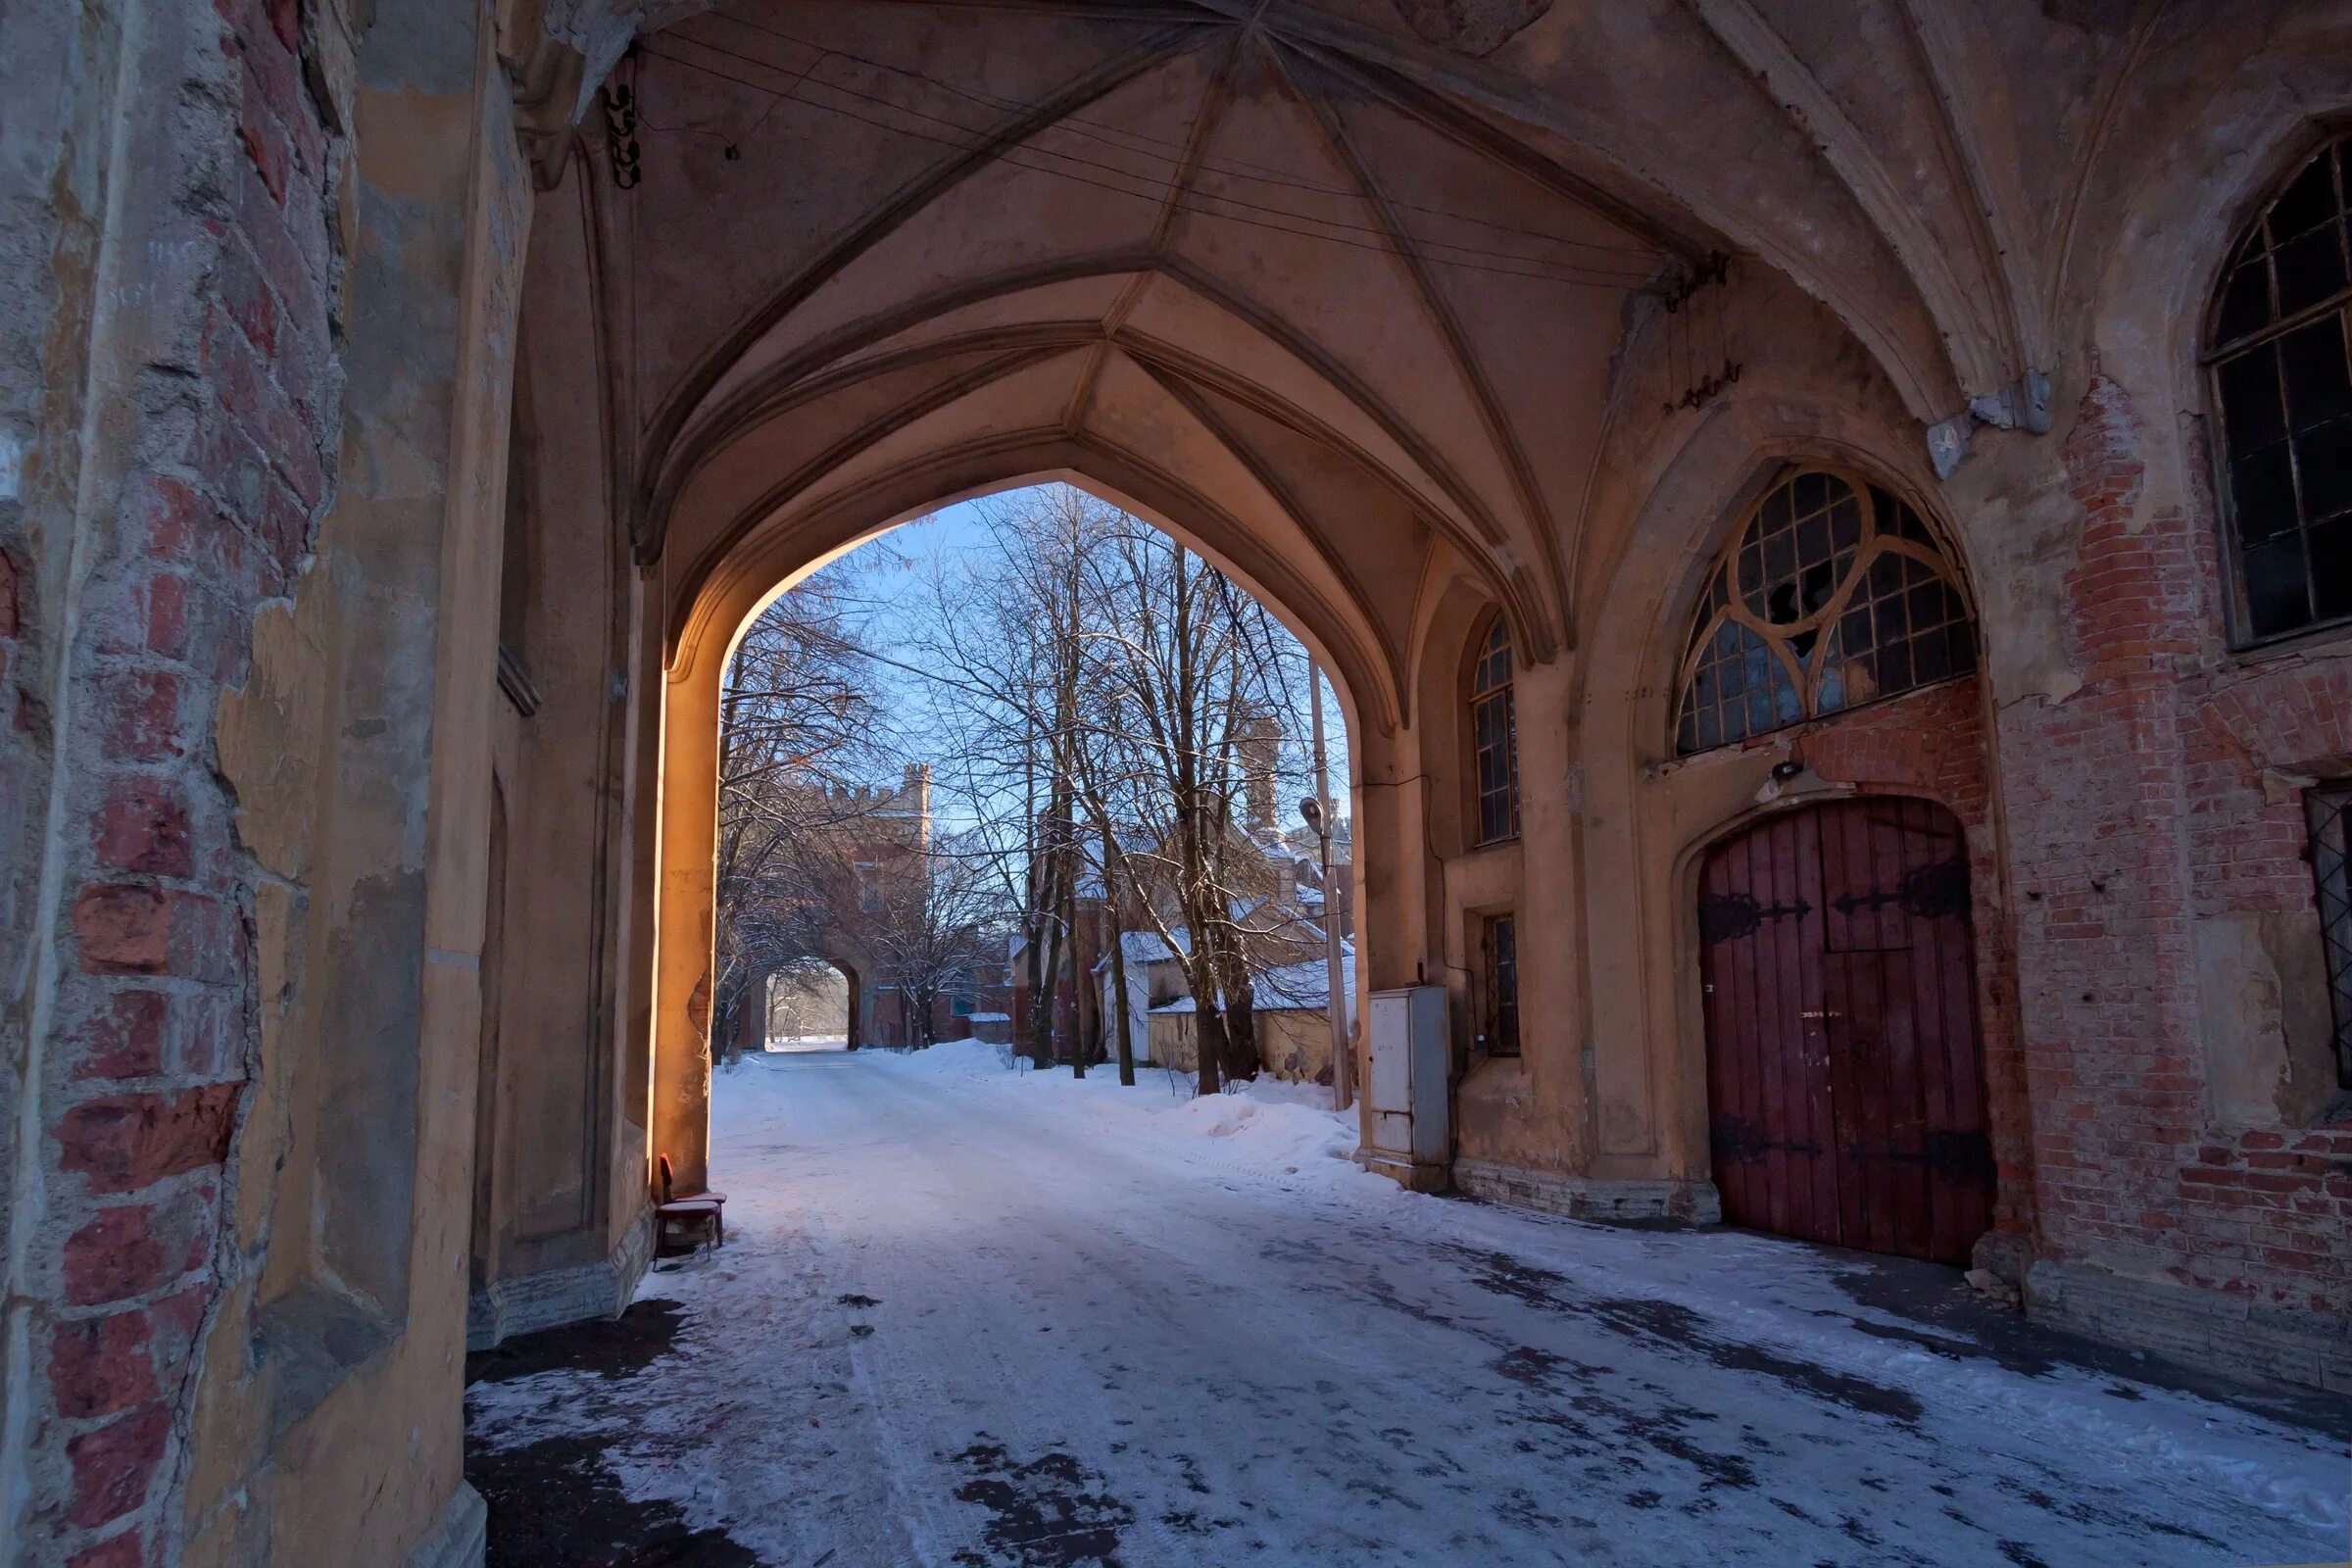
[1845, 1074]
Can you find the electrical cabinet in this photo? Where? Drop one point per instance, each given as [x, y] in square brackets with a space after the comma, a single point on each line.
[1410, 1095]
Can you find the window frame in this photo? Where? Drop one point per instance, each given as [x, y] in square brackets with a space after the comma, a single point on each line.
[2214, 353]
[1476, 699]
[1498, 1018]
[1721, 602]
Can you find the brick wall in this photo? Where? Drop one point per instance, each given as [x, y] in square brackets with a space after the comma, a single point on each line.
[2134, 807]
[2261, 1212]
[230, 470]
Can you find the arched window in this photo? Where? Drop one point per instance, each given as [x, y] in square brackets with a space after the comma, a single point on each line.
[1495, 736]
[1832, 594]
[2283, 384]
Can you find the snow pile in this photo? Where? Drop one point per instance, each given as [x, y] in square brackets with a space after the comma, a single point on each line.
[1275, 1121]
[779, 1046]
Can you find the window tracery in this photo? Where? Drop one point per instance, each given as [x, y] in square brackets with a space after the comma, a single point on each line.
[1832, 594]
[2283, 383]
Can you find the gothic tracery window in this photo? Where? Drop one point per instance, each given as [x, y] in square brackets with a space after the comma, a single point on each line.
[1832, 594]
[2282, 379]
[1495, 736]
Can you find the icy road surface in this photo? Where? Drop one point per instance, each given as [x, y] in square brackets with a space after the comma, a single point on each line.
[968, 1316]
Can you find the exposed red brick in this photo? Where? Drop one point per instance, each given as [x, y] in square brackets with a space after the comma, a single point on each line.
[139, 711]
[114, 1465]
[125, 1550]
[126, 928]
[143, 826]
[126, 1142]
[163, 609]
[2135, 808]
[165, 520]
[123, 1037]
[115, 1256]
[244, 297]
[209, 1037]
[122, 929]
[264, 137]
[9, 615]
[99, 1365]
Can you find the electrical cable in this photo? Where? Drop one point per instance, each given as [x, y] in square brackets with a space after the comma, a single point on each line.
[1236, 169]
[1167, 190]
[1566, 272]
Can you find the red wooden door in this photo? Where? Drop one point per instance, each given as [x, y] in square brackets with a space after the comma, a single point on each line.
[1846, 1077]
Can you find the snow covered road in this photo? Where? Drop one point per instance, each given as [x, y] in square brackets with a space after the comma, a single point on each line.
[967, 1316]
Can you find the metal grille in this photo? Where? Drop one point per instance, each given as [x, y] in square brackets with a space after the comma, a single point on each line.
[2282, 377]
[1495, 737]
[1502, 986]
[2329, 810]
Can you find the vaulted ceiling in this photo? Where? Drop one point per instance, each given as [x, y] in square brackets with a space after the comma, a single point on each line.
[1378, 264]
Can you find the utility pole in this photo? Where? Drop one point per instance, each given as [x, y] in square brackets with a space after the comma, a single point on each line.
[1322, 820]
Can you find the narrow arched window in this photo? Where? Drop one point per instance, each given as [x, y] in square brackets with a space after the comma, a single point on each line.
[2284, 382]
[1832, 594]
[1495, 736]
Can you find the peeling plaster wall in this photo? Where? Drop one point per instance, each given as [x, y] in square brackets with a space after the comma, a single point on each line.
[345, 1322]
[247, 625]
[171, 395]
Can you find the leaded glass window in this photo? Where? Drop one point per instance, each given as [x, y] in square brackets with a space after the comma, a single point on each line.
[2283, 383]
[2330, 810]
[1832, 594]
[1495, 737]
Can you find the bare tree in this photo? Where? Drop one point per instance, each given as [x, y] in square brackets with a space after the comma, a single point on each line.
[931, 929]
[1187, 669]
[1004, 653]
[1111, 696]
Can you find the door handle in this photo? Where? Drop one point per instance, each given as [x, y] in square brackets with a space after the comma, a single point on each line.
[1824, 1014]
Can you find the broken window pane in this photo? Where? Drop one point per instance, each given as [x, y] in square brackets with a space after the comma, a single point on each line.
[2324, 470]
[2277, 599]
[2250, 404]
[2245, 301]
[2309, 268]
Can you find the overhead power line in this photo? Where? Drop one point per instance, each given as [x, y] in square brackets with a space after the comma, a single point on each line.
[1230, 167]
[1471, 258]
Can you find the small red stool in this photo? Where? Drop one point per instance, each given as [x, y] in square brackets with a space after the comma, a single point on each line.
[683, 1224]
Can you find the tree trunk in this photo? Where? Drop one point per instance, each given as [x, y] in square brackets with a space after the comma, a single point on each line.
[1069, 923]
[1231, 965]
[1242, 1059]
[1118, 965]
[1208, 1028]
[1041, 1021]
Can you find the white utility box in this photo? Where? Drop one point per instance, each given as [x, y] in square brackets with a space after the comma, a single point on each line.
[1409, 1096]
